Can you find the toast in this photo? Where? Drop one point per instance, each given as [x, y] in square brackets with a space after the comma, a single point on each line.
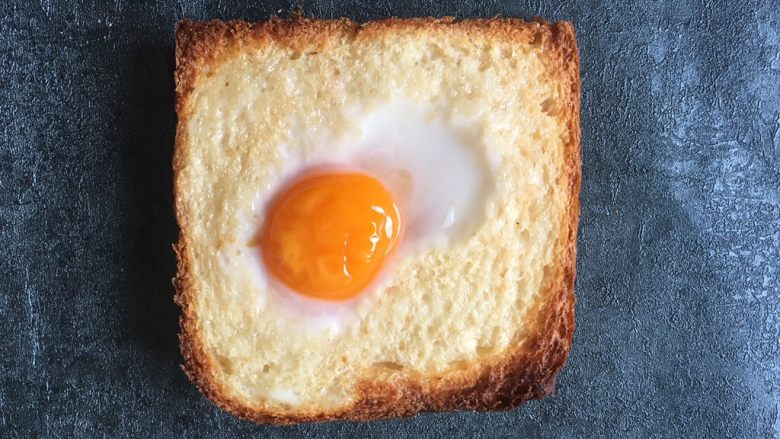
[484, 327]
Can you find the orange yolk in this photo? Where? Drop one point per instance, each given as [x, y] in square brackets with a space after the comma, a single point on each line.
[327, 234]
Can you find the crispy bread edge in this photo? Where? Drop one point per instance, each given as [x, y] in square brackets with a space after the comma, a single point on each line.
[526, 372]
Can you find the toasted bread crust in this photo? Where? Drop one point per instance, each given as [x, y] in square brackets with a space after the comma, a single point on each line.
[526, 372]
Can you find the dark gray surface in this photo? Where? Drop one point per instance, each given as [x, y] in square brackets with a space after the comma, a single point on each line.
[678, 283]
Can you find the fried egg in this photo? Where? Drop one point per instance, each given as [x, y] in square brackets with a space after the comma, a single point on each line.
[405, 179]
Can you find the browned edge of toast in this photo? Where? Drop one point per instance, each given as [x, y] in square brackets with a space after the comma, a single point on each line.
[524, 373]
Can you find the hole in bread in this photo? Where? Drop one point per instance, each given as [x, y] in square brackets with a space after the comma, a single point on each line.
[392, 365]
[548, 272]
[485, 60]
[267, 367]
[563, 326]
[484, 350]
[295, 55]
[549, 107]
[434, 52]
[538, 39]
[508, 54]
[225, 364]
[459, 365]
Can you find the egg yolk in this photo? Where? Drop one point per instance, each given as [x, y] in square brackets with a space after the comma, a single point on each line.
[328, 234]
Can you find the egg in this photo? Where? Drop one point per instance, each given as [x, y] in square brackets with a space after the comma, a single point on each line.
[407, 178]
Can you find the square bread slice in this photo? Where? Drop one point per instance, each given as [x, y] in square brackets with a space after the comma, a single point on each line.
[484, 325]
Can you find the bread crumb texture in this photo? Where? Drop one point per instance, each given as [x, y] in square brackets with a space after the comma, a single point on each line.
[444, 318]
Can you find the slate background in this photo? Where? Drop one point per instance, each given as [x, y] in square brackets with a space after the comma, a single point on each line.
[678, 283]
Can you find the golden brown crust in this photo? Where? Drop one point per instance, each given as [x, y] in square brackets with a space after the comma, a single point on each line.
[528, 372]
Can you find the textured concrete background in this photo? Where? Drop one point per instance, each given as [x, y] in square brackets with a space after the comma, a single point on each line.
[678, 283]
